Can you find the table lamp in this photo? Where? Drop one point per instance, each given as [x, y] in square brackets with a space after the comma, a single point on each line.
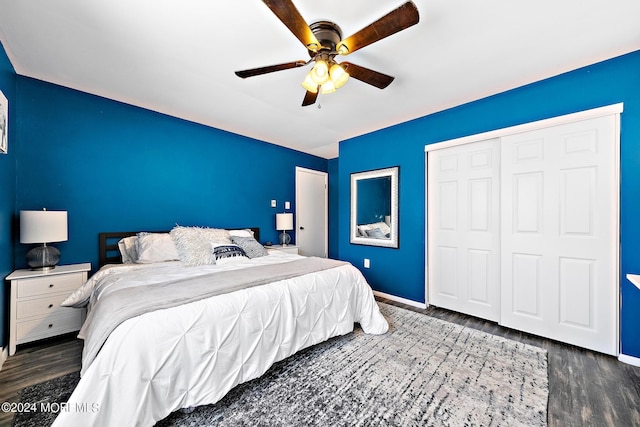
[43, 227]
[284, 222]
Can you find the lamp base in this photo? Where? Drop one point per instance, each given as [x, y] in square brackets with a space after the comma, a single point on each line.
[285, 239]
[43, 258]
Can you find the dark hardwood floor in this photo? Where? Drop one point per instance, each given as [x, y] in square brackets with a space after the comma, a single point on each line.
[37, 362]
[585, 388]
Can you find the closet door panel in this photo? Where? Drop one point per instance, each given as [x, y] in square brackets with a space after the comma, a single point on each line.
[463, 270]
[526, 289]
[559, 228]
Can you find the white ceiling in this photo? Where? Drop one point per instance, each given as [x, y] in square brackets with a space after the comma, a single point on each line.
[179, 57]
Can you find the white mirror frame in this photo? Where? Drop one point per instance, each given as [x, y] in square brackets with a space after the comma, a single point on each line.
[392, 242]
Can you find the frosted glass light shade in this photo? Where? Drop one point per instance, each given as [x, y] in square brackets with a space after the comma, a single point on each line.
[328, 87]
[320, 72]
[284, 221]
[309, 84]
[338, 75]
[43, 226]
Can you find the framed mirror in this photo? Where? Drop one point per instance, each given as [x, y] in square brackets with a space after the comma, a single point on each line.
[374, 207]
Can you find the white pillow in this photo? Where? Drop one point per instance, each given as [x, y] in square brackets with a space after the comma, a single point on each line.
[128, 249]
[156, 247]
[241, 233]
[194, 243]
[80, 297]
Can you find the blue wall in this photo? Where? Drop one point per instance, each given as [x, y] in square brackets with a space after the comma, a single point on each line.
[7, 191]
[115, 167]
[401, 271]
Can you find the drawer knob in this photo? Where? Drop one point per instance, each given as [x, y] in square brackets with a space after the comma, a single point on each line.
[51, 325]
[50, 305]
[51, 285]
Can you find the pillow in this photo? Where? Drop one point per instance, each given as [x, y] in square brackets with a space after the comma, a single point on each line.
[128, 249]
[250, 246]
[362, 229]
[225, 254]
[241, 233]
[79, 298]
[383, 226]
[376, 233]
[194, 243]
[155, 247]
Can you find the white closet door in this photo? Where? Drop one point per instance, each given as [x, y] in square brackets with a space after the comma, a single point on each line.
[463, 229]
[559, 233]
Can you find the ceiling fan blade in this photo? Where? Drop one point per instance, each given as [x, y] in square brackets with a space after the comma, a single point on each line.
[367, 75]
[309, 98]
[286, 11]
[397, 20]
[269, 69]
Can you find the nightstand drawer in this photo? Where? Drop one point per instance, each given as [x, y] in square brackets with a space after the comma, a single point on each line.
[41, 306]
[49, 284]
[48, 326]
[291, 249]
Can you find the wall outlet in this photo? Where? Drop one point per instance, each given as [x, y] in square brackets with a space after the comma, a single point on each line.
[367, 263]
[273, 203]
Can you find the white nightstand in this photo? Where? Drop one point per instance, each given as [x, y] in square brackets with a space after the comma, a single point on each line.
[292, 249]
[35, 303]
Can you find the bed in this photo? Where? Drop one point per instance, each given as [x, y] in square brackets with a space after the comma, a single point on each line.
[174, 334]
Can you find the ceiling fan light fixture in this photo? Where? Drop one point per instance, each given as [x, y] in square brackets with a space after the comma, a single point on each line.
[309, 84]
[320, 72]
[338, 75]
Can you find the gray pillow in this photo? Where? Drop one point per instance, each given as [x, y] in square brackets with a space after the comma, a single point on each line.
[376, 233]
[251, 247]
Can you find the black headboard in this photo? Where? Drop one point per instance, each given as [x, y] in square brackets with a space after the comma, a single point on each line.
[108, 252]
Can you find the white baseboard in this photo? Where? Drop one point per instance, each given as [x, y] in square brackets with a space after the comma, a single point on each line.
[400, 299]
[629, 360]
[3, 356]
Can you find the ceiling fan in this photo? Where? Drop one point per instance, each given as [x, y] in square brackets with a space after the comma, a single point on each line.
[323, 40]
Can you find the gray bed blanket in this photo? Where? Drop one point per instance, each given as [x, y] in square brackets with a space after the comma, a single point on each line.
[121, 305]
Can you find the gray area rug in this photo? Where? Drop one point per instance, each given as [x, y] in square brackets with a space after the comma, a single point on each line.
[424, 372]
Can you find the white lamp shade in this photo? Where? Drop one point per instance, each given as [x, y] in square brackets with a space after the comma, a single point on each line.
[320, 72]
[43, 226]
[309, 84]
[284, 221]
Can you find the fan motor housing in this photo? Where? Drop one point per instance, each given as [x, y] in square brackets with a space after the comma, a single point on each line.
[328, 34]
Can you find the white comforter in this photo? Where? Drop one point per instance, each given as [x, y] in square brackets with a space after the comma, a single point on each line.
[193, 354]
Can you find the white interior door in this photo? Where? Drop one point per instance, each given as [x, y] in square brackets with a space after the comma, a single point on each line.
[464, 228]
[559, 233]
[312, 212]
